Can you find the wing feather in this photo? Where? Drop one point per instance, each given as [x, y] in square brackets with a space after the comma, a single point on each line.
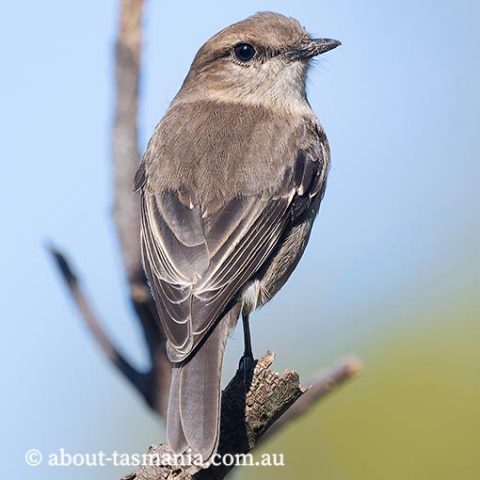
[199, 257]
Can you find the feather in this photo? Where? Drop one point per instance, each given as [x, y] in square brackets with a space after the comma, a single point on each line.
[199, 256]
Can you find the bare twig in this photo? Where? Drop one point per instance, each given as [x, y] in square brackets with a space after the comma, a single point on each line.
[138, 379]
[248, 415]
[125, 138]
[126, 205]
[153, 384]
[318, 388]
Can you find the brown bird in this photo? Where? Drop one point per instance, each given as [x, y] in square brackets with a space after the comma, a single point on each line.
[230, 184]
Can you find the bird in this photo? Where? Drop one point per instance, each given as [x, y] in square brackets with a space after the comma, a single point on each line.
[230, 184]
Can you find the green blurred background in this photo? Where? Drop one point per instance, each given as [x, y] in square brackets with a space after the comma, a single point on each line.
[391, 273]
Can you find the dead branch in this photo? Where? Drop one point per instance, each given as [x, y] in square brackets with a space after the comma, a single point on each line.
[153, 384]
[126, 154]
[138, 379]
[126, 210]
[317, 389]
[248, 415]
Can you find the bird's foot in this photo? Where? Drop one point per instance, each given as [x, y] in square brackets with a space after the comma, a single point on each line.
[246, 365]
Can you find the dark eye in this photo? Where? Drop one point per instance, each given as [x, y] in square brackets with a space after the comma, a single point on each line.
[244, 52]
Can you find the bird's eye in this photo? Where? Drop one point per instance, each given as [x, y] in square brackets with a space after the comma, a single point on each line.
[244, 52]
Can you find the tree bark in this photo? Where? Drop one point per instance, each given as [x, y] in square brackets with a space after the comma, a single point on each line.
[253, 404]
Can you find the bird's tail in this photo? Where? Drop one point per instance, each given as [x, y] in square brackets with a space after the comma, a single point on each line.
[193, 420]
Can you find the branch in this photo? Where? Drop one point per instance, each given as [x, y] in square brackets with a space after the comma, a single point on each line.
[125, 138]
[138, 379]
[126, 209]
[319, 387]
[154, 384]
[271, 401]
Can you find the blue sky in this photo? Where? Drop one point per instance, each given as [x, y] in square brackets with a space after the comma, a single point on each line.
[398, 228]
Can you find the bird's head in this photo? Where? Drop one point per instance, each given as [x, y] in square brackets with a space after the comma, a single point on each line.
[261, 59]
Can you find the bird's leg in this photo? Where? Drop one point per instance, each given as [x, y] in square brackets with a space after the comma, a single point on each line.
[247, 361]
[246, 337]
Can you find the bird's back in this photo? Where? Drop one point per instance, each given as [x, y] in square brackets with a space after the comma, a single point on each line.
[218, 148]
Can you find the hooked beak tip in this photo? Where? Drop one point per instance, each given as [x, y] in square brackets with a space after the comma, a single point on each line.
[314, 47]
[322, 45]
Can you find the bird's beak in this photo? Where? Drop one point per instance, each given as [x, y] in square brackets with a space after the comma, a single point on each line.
[314, 47]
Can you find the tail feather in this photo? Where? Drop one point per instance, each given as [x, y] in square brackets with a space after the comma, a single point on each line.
[193, 420]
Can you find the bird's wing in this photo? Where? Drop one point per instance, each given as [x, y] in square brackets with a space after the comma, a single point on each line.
[198, 258]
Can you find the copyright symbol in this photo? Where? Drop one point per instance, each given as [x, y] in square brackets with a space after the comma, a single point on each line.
[33, 457]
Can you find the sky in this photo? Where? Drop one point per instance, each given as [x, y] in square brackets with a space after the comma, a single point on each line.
[398, 229]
